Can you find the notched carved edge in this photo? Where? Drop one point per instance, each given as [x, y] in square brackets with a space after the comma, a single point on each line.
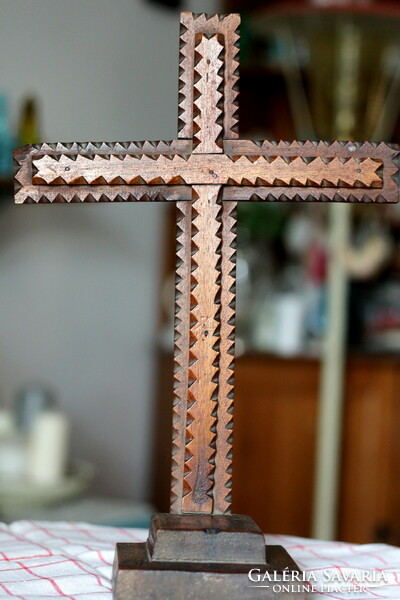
[269, 194]
[294, 171]
[227, 25]
[208, 133]
[28, 193]
[181, 344]
[199, 467]
[223, 464]
[389, 154]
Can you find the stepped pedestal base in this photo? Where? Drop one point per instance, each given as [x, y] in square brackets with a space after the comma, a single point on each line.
[204, 557]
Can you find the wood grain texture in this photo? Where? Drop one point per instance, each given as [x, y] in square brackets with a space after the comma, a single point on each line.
[226, 26]
[389, 154]
[27, 192]
[211, 169]
[136, 575]
[208, 94]
[205, 287]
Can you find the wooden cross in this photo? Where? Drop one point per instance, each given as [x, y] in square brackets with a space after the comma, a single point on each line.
[206, 171]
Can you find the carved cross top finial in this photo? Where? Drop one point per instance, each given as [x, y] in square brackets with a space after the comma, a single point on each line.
[206, 170]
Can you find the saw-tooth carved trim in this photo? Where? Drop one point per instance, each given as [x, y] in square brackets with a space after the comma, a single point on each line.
[185, 84]
[223, 468]
[24, 170]
[203, 169]
[210, 25]
[63, 194]
[386, 154]
[394, 174]
[318, 194]
[144, 147]
[231, 80]
[181, 356]
[204, 351]
[310, 148]
[208, 92]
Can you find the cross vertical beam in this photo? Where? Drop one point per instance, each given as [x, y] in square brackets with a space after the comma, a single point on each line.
[204, 344]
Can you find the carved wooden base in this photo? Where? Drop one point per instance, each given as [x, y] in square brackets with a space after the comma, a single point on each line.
[189, 557]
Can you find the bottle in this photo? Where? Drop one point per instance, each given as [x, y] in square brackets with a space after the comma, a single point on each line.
[29, 131]
[30, 401]
[6, 139]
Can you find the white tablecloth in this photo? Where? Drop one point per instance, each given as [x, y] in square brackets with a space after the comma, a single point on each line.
[40, 560]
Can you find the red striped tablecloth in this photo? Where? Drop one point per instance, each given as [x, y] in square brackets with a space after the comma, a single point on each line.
[41, 560]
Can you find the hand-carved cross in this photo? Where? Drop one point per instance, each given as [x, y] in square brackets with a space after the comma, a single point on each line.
[206, 171]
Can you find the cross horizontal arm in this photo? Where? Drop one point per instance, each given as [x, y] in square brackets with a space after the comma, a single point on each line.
[249, 170]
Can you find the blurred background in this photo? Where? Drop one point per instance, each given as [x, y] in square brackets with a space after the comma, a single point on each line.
[87, 291]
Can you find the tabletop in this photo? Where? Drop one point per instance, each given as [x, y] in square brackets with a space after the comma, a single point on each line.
[40, 560]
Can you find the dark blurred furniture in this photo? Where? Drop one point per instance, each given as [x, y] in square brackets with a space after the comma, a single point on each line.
[274, 445]
[276, 398]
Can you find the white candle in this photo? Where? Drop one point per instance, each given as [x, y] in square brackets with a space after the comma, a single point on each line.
[48, 447]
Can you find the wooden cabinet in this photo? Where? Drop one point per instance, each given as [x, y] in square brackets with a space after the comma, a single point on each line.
[274, 445]
[275, 425]
[370, 491]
